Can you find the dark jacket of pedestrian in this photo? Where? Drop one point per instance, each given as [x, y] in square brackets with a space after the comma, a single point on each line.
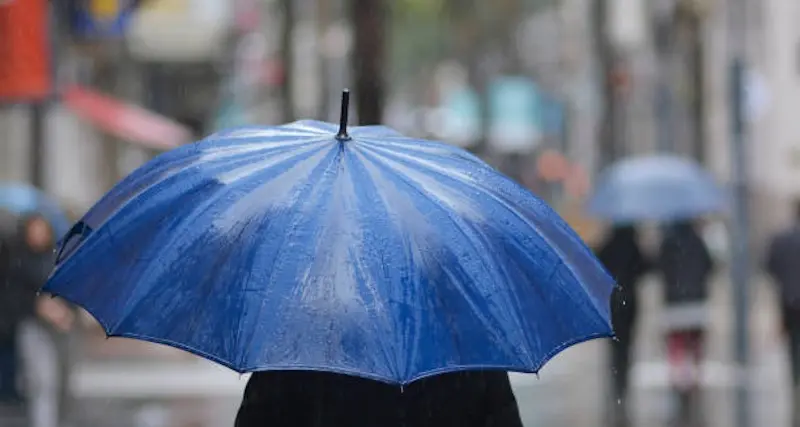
[317, 399]
[17, 282]
[685, 263]
[783, 265]
[23, 271]
[625, 262]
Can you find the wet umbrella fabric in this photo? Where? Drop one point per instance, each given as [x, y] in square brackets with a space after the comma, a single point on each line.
[659, 188]
[373, 254]
[24, 199]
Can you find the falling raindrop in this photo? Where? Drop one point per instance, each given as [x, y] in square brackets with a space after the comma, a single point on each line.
[619, 401]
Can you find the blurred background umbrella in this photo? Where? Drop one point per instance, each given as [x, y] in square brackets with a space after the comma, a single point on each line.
[659, 188]
[372, 254]
[22, 199]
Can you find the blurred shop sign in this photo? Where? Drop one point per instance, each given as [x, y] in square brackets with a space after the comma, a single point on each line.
[230, 114]
[25, 68]
[552, 166]
[100, 19]
[458, 118]
[125, 121]
[461, 117]
[180, 30]
[520, 115]
[514, 114]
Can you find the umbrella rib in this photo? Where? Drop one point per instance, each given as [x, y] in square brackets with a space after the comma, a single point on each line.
[295, 220]
[457, 222]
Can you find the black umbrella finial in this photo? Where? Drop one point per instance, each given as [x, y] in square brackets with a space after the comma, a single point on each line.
[342, 135]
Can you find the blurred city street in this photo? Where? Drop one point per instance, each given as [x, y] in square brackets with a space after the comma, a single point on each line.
[554, 94]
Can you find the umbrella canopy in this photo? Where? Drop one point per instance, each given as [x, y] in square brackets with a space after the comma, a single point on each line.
[661, 188]
[370, 254]
[23, 199]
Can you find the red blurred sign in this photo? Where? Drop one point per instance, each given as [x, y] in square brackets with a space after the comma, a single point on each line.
[25, 69]
[126, 121]
[552, 166]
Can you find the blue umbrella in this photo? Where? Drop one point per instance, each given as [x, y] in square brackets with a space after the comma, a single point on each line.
[299, 248]
[23, 199]
[658, 188]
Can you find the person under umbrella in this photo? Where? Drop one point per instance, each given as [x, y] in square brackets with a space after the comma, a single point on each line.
[659, 188]
[359, 252]
[686, 266]
[624, 260]
[311, 399]
[26, 320]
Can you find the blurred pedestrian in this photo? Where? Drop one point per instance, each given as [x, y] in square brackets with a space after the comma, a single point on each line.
[311, 399]
[623, 258]
[44, 374]
[16, 305]
[686, 266]
[783, 265]
[34, 318]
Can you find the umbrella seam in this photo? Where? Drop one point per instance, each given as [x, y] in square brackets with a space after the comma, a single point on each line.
[458, 223]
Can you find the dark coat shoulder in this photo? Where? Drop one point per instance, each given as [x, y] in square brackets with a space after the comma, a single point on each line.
[311, 399]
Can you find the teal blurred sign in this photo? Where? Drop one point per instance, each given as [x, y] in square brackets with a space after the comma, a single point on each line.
[462, 117]
[520, 114]
[230, 115]
[515, 112]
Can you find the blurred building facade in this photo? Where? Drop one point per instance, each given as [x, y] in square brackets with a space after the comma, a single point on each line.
[775, 145]
[170, 62]
[699, 68]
